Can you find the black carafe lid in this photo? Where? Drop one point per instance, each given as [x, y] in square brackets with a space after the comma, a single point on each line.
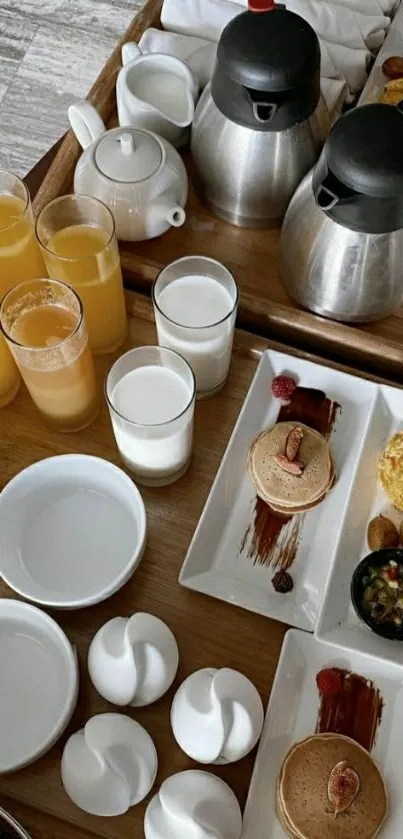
[267, 72]
[358, 180]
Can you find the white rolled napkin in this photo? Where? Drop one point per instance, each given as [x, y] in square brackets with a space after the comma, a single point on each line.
[367, 7]
[335, 93]
[198, 53]
[201, 18]
[340, 25]
[193, 24]
[336, 23]
[338, 61]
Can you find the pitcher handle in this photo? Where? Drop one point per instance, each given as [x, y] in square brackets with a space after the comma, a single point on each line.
[264, 111]
[325, 198]
[130, 50]
[85, 122]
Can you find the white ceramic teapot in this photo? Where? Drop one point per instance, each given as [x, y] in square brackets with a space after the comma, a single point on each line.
[157, 92]
[138, 174]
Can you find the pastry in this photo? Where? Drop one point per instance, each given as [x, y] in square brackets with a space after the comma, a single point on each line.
[393, 92]
[391, 470]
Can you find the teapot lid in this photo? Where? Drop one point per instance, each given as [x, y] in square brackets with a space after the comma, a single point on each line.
[128, 155]
[364, 150]
[271, 51]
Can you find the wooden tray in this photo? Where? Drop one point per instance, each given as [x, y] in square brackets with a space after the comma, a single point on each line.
[252, 255]
[209, 633]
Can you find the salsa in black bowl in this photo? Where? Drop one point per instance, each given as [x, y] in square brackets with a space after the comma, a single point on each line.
[377, 592]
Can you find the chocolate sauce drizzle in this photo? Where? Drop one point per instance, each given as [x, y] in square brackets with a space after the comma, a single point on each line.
[355, 711]
[272, 538]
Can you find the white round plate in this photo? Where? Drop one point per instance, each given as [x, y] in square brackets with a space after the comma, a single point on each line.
[39, 683]
[72, 531]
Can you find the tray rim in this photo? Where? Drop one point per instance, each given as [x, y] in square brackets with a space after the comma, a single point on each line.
[139, 305]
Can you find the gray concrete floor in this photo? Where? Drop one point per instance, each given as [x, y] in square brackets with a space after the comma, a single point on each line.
[51, 52]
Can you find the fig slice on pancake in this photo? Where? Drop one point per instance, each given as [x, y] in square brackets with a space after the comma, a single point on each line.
[291, 467]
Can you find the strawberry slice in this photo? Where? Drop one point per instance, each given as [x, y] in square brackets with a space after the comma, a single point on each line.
[328, 682]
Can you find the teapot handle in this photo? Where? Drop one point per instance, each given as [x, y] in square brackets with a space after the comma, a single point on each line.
[130, 50]
[85, 122]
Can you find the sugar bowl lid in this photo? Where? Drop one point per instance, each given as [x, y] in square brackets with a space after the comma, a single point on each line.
[128, 155]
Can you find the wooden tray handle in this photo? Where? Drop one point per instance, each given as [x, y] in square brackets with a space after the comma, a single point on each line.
[59, 178]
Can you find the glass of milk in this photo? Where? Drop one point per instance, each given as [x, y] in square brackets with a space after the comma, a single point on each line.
[195, 303]
[150, 393]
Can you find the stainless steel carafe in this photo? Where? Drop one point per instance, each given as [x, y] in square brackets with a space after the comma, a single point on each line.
[259, 126]
[341, 247]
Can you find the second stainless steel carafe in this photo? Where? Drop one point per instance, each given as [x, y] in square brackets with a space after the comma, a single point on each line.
[260, 124]
[341, 247]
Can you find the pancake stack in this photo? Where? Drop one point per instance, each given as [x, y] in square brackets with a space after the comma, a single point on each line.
[291, 467]
[329, 787]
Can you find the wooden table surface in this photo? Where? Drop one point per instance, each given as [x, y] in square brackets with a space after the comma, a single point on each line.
[209, 632]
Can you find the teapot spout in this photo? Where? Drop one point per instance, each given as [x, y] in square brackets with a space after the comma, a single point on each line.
[174, 214]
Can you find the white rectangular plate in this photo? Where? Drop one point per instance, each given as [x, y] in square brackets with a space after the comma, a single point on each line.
[220, 560]
[337, 621]
[292, 714]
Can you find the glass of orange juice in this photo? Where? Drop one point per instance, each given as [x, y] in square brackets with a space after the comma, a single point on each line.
[79, 246]
[20, 259]
[43, 323]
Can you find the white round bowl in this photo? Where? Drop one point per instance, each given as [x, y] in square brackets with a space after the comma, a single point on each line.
[39, 683]
[72, 531]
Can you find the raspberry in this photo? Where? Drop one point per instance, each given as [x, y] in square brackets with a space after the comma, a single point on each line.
[282, 387]
[328, 682]
[282, 582]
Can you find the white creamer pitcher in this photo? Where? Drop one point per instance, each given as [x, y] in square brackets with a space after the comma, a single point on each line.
[157, 92]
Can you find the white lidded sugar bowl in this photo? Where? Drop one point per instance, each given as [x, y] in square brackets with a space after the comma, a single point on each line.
[133, 661]
[137, 173]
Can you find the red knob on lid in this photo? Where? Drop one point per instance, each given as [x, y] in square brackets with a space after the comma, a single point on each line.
[260, 5]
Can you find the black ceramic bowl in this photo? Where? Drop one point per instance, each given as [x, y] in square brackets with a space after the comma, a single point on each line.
[9, 827]
[374, 560]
